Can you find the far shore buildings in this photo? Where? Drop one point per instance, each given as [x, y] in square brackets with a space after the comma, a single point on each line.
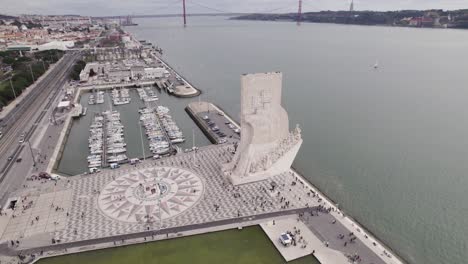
[47, 32]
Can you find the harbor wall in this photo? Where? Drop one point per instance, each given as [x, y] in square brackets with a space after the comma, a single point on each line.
[59, 148]
[194, 108]
[198, 91]
[204, 128]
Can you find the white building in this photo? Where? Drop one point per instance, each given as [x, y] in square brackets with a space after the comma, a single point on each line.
[153, 73]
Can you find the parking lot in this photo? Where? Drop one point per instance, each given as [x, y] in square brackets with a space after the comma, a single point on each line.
[221, 128]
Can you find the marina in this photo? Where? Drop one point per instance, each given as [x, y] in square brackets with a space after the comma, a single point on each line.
[159, 143]
[173, 131]
[147, 94]
[95, 142]
[73, 160]
[120, 96]
[162, 131]
[116, 147]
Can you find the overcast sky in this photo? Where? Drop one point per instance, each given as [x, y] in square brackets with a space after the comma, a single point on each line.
[122, 7]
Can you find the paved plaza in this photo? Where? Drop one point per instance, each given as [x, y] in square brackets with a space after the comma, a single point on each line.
[181, 193]
[147, 195]
[178, 191]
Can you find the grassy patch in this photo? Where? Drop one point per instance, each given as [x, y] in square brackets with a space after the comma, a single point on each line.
[249, 245]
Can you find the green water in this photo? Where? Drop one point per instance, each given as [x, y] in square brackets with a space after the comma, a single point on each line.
[246, 246]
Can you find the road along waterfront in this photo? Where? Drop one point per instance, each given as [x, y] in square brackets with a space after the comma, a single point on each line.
[42, 96]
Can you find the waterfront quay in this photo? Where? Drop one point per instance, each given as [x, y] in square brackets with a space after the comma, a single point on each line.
[197, 195]
[100, 208]
[174, 196]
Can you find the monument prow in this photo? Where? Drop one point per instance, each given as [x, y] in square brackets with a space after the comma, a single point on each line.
[267, 147]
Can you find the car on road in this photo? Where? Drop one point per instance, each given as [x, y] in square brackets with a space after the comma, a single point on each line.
[10, 158]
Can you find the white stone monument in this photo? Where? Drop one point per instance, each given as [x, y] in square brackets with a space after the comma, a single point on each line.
[267, 147]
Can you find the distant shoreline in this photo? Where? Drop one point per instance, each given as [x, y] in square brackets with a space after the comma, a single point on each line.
[457, 19]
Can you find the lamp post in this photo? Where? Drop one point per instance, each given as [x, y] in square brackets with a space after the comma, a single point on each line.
[43, 65]
[32, 75]
[141, 137]
[32, 154]
[13, 89]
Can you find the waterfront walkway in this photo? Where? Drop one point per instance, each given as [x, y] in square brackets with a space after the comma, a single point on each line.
[199, 199]
[307, 242]
[85, 220]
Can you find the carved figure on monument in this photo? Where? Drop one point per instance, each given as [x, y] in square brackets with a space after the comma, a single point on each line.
[267, 147]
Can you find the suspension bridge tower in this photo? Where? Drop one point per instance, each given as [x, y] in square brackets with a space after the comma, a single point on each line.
[299, 13]
[184, 13]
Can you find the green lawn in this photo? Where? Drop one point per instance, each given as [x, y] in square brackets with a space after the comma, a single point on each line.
[249, 245]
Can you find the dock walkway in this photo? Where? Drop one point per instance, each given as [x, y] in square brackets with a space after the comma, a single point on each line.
[104, 142]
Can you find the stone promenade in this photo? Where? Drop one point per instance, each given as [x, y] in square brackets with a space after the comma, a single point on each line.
[181, 190]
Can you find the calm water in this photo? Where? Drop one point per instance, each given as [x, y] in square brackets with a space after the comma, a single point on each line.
[74, 157]
[389, 145]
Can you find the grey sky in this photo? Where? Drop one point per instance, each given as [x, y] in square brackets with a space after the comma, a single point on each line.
[122, 7]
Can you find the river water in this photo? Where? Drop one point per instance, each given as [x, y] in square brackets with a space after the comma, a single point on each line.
[389, 145]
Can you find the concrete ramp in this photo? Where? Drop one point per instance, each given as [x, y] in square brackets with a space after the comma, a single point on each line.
[324, 254]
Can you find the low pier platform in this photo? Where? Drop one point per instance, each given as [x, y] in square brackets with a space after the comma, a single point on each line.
[309, 245]
[200, 110]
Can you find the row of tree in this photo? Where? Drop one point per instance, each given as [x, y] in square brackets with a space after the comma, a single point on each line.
[26, 70]
[77, 68]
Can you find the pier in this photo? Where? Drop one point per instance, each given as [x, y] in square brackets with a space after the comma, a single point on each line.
[186, 90]
[104, 142]
[198, 111]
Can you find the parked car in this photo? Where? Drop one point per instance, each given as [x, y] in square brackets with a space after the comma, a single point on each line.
[44, 175]
[93, 170]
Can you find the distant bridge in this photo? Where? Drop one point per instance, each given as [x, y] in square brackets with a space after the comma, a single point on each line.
[171, 15]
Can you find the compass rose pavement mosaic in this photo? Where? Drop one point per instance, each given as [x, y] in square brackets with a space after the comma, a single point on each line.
[150, 194]
[177, 191]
